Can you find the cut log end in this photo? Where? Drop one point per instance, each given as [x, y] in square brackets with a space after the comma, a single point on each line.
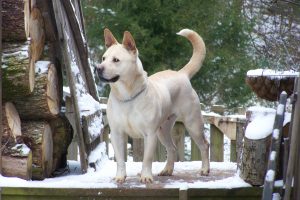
[47, 145]
[31, 75]
[44, 102]
[38, 136]
[37, 33]
[11, 125]
[17, 162]
[52, 90]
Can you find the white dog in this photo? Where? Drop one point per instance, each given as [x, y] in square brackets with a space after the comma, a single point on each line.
[148, 107]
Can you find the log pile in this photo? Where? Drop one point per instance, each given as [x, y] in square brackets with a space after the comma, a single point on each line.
[35, 137]
[268, 84]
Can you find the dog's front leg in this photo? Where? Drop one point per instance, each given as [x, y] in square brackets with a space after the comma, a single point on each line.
[150, 141]
[118, 142]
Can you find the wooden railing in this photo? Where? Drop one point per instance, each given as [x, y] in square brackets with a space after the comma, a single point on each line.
[231, 126]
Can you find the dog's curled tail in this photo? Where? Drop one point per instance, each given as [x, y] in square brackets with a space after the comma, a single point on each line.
[199, 51]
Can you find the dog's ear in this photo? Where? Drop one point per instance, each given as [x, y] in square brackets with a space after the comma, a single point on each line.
[128, 42]
[109, 38]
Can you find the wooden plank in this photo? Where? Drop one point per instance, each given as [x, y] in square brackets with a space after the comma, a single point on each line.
[220, 194]
[275, 148]
[138, 149]
[178, 135]
[70, 55]
[248, 193]
[195, 152]
[216, 144]
[48, 16]
[86, 194]
[76, 24]
[0, 89]
[293, 146]
[233, 151]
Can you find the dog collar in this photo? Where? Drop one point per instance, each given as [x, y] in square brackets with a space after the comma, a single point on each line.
[136, 95]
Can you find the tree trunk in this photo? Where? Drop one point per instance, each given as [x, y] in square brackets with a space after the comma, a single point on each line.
[15, 20]
[44, 101]
[17, 73]
[255, 160]
[37, 135]
[17, 162]
[11, 125]
[62, 137]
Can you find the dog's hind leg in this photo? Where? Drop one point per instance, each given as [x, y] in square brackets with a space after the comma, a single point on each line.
[193, 122]
[164, 135]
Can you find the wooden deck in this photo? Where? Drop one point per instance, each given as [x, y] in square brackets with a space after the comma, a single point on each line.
[130, 193]
[182, 185]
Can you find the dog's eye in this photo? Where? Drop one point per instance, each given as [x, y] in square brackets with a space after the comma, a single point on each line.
[103, 58]
[116, 60]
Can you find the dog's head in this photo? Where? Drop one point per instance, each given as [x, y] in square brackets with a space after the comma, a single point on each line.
[119, 60]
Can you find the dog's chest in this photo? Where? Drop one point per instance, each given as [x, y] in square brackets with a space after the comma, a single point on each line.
[129, 119]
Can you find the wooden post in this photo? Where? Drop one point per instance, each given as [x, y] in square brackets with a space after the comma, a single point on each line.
[217, 138]
[216, 144]
[239, 140]
[138, 149]
[275, 148]
[293, 147]
[178, 134]
[160, 153]
[71, 60]
[0, 89]
[233, 151]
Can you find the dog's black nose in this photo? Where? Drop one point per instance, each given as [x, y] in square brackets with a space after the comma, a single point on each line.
[99, 70]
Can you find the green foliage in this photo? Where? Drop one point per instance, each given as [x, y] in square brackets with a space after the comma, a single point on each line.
[154, 23]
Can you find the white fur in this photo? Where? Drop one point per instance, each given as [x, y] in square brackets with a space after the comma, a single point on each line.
[148, 107]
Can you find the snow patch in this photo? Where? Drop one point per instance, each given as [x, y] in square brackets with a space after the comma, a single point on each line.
[41, 67]
[262, 122]
[273, 155]
[261, 126]
[272, 73]
[270, 175]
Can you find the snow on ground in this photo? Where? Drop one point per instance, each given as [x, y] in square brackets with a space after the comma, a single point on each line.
[103, 177]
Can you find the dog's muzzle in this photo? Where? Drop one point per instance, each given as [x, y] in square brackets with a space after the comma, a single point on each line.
[100, 71]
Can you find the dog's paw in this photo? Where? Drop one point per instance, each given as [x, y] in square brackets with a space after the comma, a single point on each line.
[120, 179]
[146, 179]
[204, 172]
[166, 172]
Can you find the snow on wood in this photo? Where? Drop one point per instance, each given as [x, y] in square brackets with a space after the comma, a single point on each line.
[275, 134]
[42, 66]
[98, 154]
[273, 155]
[272, 73]
[270, 175]
[262, 121]
[261, 126]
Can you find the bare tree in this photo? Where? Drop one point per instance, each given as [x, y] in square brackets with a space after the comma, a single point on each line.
[276, 32]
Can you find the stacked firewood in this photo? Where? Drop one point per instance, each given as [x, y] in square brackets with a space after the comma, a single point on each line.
[269, 88]
[35, 137]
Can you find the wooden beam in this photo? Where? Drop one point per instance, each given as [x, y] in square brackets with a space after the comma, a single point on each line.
[275, 148]
[71, 60]
[294, 146]
[75, 19]
[0, 88]
[216, 144]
